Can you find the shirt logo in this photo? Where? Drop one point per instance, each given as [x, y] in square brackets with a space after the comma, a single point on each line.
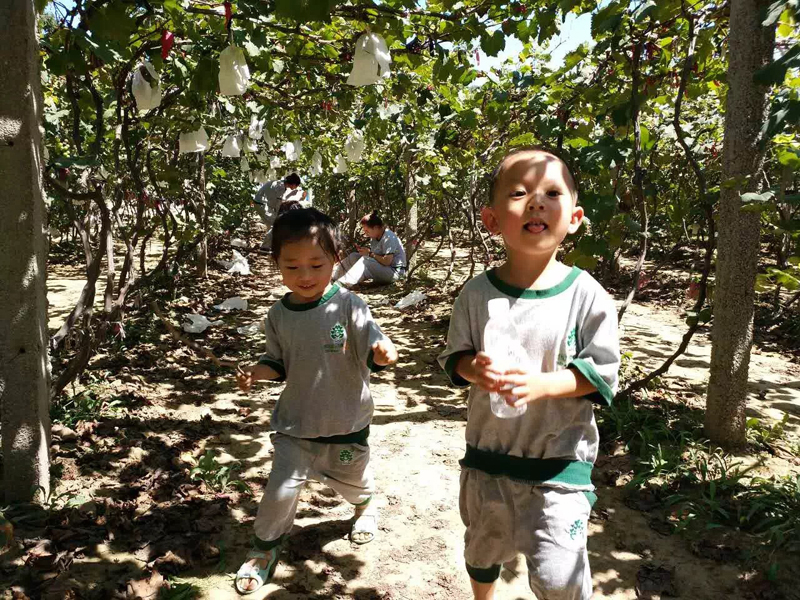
[337, 332]
[338, 335]
[576, 529]
[566, 355]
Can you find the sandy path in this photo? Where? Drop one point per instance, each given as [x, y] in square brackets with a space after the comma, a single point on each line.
[417, 440]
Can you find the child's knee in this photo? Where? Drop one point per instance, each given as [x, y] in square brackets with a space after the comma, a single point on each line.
[484, 575]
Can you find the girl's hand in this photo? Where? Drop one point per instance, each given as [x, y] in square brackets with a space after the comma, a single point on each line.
[247, 375]
[384, 353]
[244, 377]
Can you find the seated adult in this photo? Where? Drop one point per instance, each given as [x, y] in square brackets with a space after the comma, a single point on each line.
[384, 261]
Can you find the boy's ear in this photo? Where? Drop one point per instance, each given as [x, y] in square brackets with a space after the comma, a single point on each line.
[490, 220]
[577, 219]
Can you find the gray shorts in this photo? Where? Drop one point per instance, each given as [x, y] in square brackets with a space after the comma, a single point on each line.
[342, 467]
[548, 525]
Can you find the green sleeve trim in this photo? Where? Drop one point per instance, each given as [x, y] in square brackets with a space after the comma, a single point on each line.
[275, 365]
[371, 363]
[604, 394]
[450, 368]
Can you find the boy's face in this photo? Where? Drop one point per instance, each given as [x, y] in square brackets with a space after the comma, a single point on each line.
[305, 268]
[534, 204]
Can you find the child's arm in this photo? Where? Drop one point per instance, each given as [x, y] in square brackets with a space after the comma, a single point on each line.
[529, 387]
[372, 346]
[270, 365]
[258, 372]
[592, 374]
[384, 353]
[477, 369]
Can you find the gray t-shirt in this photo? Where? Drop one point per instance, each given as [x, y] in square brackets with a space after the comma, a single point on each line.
[323, 349]
[271, 195]
[390, 244]
[573, 324]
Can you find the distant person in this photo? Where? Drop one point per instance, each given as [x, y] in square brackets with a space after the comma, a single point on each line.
[321, 339]
[384, 261]
[268, 202]
[526, 483]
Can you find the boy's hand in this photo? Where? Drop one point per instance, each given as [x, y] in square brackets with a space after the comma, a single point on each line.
[482, 373]
[362, 251]
[384, 353]
[521, 386]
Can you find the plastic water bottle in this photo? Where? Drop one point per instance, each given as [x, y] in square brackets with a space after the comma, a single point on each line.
[500, 343]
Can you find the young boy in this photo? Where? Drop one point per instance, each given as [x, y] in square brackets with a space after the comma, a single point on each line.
[526, 482]
[322, 340]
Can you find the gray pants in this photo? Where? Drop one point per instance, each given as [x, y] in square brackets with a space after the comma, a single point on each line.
[342, 467]
[269, 221]
[546, 524]
[356, 268]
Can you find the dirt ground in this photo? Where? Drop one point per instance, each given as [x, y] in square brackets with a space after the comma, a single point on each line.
[133, 467]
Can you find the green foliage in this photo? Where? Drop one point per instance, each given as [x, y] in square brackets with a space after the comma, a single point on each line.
[53, 501]
[704, 487]
[88, 405]
[764, 435]
[179, 589]
[216, 476]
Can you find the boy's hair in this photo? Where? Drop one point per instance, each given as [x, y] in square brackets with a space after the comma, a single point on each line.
[372, 220]
[303, 224]
[293, 179]
[573, 173]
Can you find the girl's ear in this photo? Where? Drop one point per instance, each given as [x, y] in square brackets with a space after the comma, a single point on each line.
[490, 220]
[576, 220]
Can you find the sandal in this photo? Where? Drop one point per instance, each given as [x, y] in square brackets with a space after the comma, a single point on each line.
[260, 576]
[366, 525]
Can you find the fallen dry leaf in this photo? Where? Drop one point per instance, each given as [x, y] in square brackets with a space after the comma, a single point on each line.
[145, 589]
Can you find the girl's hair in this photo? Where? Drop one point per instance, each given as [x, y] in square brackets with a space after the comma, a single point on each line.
[372, 220]
[305, 224]
[544, 149]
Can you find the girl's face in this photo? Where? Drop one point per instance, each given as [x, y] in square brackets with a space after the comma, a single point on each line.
[306, 269]
[372, 232]
[534, 205]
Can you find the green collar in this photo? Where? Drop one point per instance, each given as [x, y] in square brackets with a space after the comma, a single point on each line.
[515, 292]
[309, 305]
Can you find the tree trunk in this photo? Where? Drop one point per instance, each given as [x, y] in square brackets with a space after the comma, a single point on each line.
[201, 252]
[23, 329]
[751, 47]
[411, 216]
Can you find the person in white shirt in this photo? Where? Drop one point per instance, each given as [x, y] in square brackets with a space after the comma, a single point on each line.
[269, 199]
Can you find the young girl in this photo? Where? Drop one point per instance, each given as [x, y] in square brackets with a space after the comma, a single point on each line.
[322, 341]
